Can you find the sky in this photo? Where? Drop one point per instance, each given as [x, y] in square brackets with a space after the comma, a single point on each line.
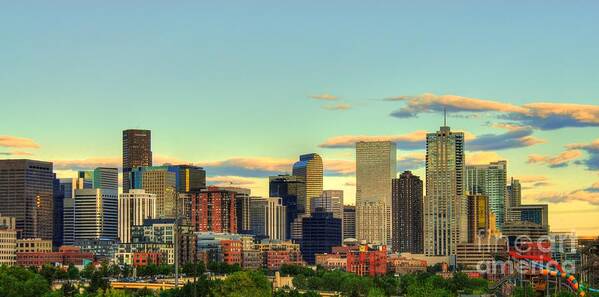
[244, 87]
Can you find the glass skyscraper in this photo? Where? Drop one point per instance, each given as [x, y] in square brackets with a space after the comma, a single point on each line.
[490, 180]
[310, 169]
[376, 166]
[137, 151]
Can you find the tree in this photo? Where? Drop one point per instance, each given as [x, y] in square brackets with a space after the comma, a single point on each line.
[21, 282]
[72, 272]
[244, 283]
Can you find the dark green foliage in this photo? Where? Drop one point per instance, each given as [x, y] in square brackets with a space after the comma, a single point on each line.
[21, 282]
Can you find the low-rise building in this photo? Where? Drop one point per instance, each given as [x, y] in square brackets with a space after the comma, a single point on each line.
[8, 241]
[34, 245]
[477, 256]
[368, 260]
[277, 253]
[402, 265]
[331, 261]
[66, 255]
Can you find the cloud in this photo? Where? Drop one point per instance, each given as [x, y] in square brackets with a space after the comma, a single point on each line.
[577, 195]
[324, 96]
[88, 163]
[411, 161]
[474, 158]
[561, 160]
[17, 142]
[513, 138]
[263, 167]
[410, 141]
[16, 153]
[592, 149]
[223, 181]
[339, 167]
[525, 179]
[350, 183]
[544, 116]
[340, 106]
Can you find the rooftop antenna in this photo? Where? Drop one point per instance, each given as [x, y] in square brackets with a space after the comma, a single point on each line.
[445, 116]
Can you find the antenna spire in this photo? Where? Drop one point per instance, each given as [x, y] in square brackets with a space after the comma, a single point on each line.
[445, 116]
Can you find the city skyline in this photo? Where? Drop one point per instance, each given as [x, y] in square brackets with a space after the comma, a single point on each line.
[214, 97]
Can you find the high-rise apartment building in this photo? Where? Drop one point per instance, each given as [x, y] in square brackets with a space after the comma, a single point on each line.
[96, 214]
[490, 180]
[67, 187]
[214, 210]
[514, 198]
[290, 189]
[134, 207]
[137, 152]
[349, 221]
[445, 223]
[57, 213]
[478, 217]
[26, 190]
[268, 216]
[309, 169]
[407, 194]
[242, 208]
[376, 166]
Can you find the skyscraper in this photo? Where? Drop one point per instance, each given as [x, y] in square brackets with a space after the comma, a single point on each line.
[330, 201]
[137, 151]
[134, 207]
[57, 213]
[214, 210]
[164, 185]
[376, 166]
[26, 190]
[96, 214]
[349, 221]
[268, 218]
[407, 214]
[290, 189]
[242, 208]
[320, 233]
[514, 198]
[445, 223]
[309, 169]
[478, 217]
[490, 180]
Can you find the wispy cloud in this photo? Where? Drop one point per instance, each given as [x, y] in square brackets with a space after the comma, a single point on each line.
[475, 158]
[561, 160]
[87, 163]
[230, 181]
[410, 141]
[592, 149]
[325, 96]
[583, 195]
[16, 153]
[545, 116]
[340, 106]
[17, 142]
[411, 161]
[513, 138]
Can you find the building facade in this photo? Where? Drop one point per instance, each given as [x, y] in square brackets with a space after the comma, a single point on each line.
[445, 223]
[490, 180]
[95, 214]
[320, 233]
[349, 221]
[309, 168]
[214, 210]
[478, 217]
[290, 189]
[26, 193]
[134, 207]
[330, 201]
[407, 195]
[8, 241]
[268, 218]
[376, 166]
[137, 152]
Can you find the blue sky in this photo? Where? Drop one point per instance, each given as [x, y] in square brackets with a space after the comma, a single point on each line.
[230, 85]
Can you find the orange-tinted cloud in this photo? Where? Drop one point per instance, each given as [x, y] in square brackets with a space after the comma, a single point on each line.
[340, 106]
[561, 160]
[413, 140]
[474, 158]
[17, 142]
[325, 96]
[230, 181]
[87, 163]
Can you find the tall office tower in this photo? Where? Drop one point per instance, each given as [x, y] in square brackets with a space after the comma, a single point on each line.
[330, 201]
[57, 213]
[99, 178]
[134, 207]
[214, 210]
[168, 181]
[8, 241]
[490, 180]
[478, 217]
[96, 214]
[137, 152]
[242, 208]
[514, 198]
[26, 188]
[408, 234]
[164, 185]
[320, 233]
[268, 218]
[67, 187]
[309, 169]
[376, 165]
[290, 189]
[349, 221]
[445, 223]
